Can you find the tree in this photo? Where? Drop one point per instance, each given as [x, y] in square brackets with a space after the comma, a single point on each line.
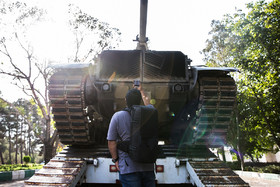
[27, 76]
[16, 119]
[91, 35]
[31, 74]
[29, 121]
[251, 43]
[3, 114]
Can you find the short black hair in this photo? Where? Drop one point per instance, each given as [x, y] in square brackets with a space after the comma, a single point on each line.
[133, 97]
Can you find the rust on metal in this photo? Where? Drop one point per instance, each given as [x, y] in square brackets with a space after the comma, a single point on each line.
[213, 173]
[66, 91]
[58, 173]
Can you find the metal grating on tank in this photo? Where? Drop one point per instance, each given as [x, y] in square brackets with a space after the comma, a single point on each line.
[119, 64]
[164, 65]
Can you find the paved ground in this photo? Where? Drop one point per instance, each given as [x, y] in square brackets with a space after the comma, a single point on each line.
[253, 182]
[16, 183]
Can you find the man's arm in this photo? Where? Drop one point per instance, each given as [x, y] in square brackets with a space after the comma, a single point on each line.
[112, 145]
[145, 98]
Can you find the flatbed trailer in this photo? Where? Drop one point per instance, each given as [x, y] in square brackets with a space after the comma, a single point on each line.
[80, 165]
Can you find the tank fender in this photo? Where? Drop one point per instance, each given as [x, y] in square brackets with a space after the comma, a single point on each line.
[70, 66]
[199, 69]
[220, 69]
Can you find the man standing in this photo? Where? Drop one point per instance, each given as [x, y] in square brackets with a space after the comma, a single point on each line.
[132, 174]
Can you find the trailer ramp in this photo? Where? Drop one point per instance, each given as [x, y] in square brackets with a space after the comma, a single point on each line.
[58, 173]
[212, 173]
[68, 167]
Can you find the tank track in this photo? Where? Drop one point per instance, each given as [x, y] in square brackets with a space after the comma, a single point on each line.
[66, 92]
[217, 98]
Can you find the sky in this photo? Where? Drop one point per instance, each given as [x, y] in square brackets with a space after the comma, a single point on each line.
[172, 25]
[177, 25]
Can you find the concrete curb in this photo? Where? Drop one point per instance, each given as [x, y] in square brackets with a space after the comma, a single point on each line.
[267, 176]
[16, 175]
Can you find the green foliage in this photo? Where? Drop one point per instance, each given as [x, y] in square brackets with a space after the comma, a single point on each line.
[259, 167]
[234, 165]
[251, 43]
[14, 130]
[27, 159]
[264, 169]
[14, 167]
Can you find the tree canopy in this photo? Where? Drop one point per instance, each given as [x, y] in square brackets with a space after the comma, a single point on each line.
[251, 42]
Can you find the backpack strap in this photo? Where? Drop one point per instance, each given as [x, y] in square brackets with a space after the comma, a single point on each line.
[124, 145]
[127, 109]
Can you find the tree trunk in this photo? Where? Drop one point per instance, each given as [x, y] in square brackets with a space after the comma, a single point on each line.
[240, 156]
[29, 142]
[251, 157]
[10, 145]
[1, 157]
[16, 142]
[48, 152]
[22, 143]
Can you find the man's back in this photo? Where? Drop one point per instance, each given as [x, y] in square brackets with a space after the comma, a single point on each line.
[131, 173]
[119, 129]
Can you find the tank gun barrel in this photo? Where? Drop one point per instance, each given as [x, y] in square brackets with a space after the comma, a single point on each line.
[142, 40]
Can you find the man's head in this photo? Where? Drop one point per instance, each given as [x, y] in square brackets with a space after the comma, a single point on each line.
[133, 97]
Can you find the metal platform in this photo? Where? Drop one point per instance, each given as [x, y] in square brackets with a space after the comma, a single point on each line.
[58, 173]
[213, 173]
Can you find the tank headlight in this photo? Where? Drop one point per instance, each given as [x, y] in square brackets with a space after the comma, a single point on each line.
[95, 162]
[177, 163]
[178, 88]
[106, 87]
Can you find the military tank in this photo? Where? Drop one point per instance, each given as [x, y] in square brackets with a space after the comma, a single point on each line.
[198, 101]
[195, 108]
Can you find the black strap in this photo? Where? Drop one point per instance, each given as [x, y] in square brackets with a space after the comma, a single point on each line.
[127, 109]
[124, 145]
